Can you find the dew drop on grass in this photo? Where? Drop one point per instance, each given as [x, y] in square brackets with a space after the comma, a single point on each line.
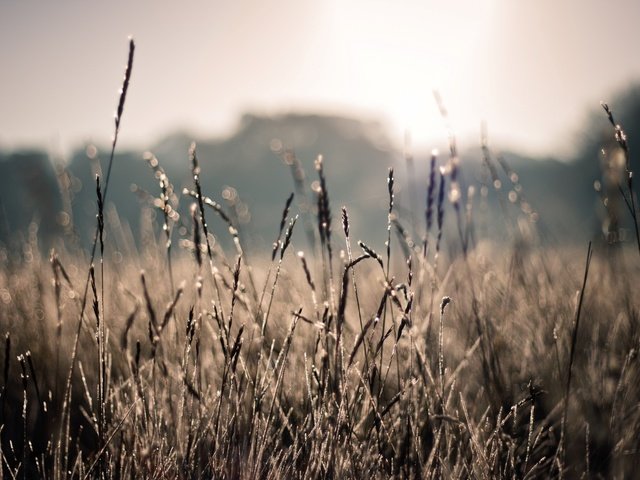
[63, 219]
[275, 145]
[91, 151]
[454, 194]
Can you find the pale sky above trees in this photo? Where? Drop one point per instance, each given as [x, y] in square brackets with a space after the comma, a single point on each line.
[531, 69]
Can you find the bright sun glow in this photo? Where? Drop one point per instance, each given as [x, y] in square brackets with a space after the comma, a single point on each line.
[400, 52]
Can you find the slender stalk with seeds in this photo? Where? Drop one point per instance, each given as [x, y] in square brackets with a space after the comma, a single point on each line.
[304, 204]
[63, 449]
[440, 216]
[6, 368]
[324, 229]
[169, 215]
[276, 245]
[443, 305]
[24, 376]
[390, 183]
[195, 170]
[98, 306]
[310, 283]
[431, 190]
[233, 231]
[390, 190]
[340, 319]
[57, 293]
[630, 201]
[283, 248]
[346, 230]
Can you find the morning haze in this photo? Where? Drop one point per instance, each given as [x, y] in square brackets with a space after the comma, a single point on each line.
[530, 69]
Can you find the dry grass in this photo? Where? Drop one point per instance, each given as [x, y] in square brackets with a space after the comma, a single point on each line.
[191, 387]
[499, 362]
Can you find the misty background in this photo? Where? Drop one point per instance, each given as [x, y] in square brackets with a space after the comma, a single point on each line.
[253, 82]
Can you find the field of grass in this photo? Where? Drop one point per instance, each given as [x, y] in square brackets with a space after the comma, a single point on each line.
[443, 355]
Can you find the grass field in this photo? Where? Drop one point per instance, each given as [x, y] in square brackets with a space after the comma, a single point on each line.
[443, 355]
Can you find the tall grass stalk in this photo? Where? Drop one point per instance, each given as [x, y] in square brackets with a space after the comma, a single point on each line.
[346, 230]
[63, 446]
[572, 351]
[629, 197]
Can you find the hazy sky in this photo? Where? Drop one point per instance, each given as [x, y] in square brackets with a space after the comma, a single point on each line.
[530, 68]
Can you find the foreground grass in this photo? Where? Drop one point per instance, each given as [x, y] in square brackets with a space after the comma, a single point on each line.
[456, 371]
